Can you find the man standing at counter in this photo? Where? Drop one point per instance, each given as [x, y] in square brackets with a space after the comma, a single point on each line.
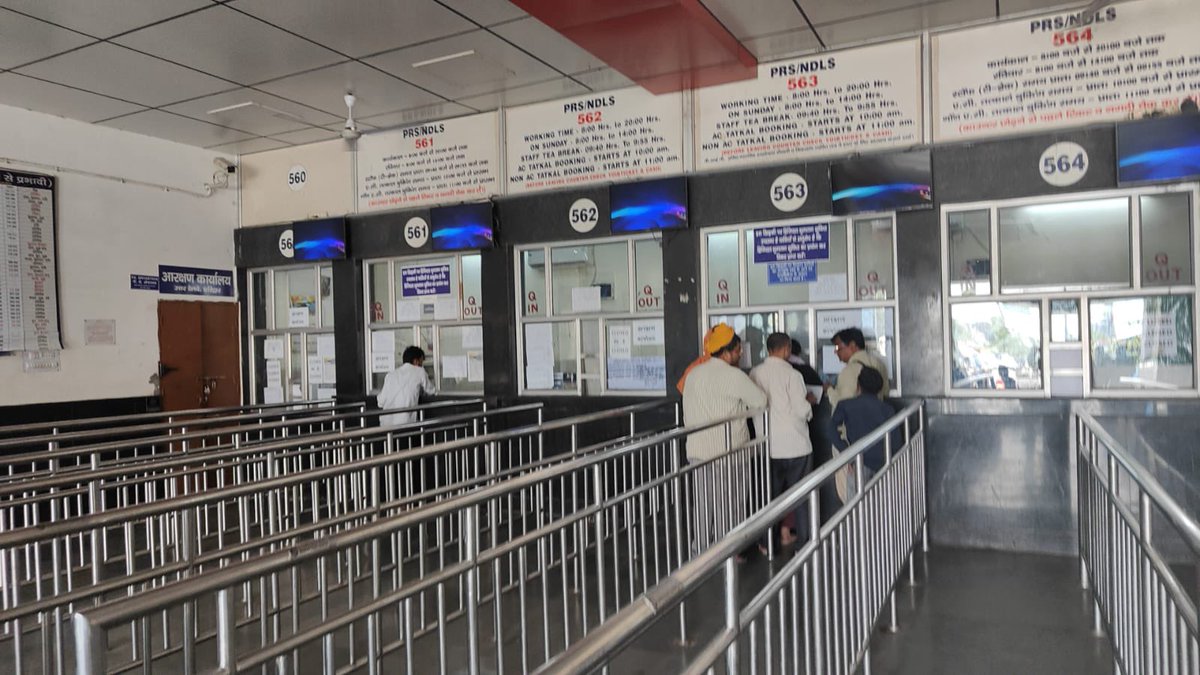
[851, 348]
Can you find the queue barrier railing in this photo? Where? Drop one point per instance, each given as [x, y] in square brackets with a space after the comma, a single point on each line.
[816, 613]
[1137, 546]
[283, 500]
[544, 557]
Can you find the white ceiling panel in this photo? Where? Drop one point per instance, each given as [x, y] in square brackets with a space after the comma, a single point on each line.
[749, 18]
[250, 146]
[175, 128]
[603, 79]
[263, 118]
[439, 111]
[309, 135]
[1019, 6]
[108, 69]
[782, 45]
[493, 65]
[231, 45]
[104, 18]
[904, 21]
[55, 99]
[831, 11]
[486, 12]
[23, 39]
[543, 91]
[548, 45]
[360, 27]
[377, 92]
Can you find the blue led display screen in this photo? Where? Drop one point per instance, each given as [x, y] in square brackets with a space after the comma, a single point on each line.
[649, 205]
[897, 182]
[319, 239]
[1159, 149]
[462, 227]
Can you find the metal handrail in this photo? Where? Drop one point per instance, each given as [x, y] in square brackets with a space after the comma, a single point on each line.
[181, 445]
[91, 624]
[57, 441]
[110, 420]
[1187, 526]
[623, 628]
[1137, 597]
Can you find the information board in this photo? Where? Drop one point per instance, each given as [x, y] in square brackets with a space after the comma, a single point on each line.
[28, 263]
[448, 161]
[855, 99]
[611, 137]
[1066, 69]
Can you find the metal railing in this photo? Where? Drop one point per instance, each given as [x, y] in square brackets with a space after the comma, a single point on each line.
[89, 450]
[65, 426]
[816, 613]
[1134, 540]
[282, 493]
[527, 565]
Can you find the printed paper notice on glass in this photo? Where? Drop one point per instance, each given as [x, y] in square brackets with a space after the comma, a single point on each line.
[830, 362]
[326, 347]
[273, 348]
[272, 395]
[585, 299]
[324, 393]
[408, 311]
[540, 376]
[445, 309]
[383, 341]
[274, 373]
[472, 337]
[474, 366]
[298, 317]
[330, 370]
[383, 362]
[454, 367]
[620, 342]
[316, 370]
[648, 332]
[828, 288]
[297, 393]
[539, 345]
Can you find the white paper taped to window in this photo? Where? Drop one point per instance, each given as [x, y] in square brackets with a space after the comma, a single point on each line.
[585, 299]
[648, 332]
[273, 348]
[620, 342]
[454, 367]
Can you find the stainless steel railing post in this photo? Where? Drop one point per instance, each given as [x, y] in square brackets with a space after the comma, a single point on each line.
[732, 622]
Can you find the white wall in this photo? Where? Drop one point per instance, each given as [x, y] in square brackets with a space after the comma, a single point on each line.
[108, 230]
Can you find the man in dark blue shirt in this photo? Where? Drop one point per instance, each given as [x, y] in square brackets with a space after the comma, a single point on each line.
[861, 415]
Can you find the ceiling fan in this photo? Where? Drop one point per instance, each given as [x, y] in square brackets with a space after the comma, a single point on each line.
[350, 132]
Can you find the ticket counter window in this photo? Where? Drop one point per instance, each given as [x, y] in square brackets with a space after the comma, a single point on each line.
[807, 278]
[1072, 296]
[292, 338]
[432, 302]
[591, 317]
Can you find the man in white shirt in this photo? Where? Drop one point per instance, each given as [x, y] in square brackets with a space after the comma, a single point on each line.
[717, 389]
[789, 411]
[403, 386]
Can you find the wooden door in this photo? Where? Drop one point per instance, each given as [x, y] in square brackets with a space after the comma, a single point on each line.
[198, 354]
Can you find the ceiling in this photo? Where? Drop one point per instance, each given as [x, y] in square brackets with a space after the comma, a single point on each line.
[157, 67]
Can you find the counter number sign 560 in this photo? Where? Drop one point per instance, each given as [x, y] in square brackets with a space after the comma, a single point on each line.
[297, 177]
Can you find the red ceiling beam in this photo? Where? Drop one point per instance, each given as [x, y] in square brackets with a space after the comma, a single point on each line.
[663, 45]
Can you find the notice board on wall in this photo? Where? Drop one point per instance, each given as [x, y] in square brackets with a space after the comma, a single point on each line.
[28, 263]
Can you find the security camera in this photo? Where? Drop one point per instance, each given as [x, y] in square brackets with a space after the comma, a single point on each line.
[224, 165]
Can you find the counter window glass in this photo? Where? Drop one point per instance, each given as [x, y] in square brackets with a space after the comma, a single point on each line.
[798, 275]
[874, 262]
[996, 345]
[1166, 239]
[602, 331]
[433, 303]
[878, 325]
[775, 274]
[1104, 273]
[291, 330]
[1142, 343]
[1065, 246]
[970, 238]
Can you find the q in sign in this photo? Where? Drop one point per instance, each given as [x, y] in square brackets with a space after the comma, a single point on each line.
[531, 303]
[722, 292]
[647, 299]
